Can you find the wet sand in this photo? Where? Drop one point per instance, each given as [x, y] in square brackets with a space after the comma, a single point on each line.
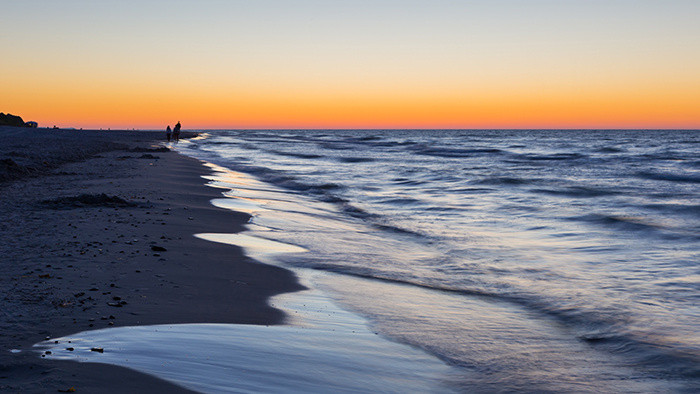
[72, 263]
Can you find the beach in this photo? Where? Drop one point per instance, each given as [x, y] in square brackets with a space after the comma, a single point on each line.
[71, 264]
[349, 261]
[333, 197]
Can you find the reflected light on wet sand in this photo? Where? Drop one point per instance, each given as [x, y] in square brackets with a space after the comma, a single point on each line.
[217, 358]
[260, 245]
[322, 348]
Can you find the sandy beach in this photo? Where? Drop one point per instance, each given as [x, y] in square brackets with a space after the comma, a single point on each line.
[260, 261]
[455, 196]
[97, 231]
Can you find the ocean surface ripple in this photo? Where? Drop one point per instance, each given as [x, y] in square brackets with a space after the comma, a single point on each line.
[592, 233]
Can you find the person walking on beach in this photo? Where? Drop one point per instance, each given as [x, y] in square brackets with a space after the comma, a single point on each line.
[167, 133]
[176, 132]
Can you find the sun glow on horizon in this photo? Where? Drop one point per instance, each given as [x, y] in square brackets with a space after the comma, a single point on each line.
[414, 64]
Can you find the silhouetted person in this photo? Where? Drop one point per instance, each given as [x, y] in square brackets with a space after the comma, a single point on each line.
[176, 132]
[167, 133]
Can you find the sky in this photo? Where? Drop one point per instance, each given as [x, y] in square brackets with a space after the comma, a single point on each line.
[352, 64]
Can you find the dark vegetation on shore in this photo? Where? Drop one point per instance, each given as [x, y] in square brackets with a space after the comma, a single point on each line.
[11, 120]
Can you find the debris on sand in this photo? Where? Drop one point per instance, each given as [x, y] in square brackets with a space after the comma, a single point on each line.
[160, 149]
[10, 169]
[143, 156]
[88, 200]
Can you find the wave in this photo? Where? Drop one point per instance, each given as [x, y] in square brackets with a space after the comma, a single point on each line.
[400, 201]
[355, 211]
[396, 229]
[604, 330]
[335, 146]
[623, 222]
[643, 226]
[685, 209]
[408, 182]
[664, 176]
[216, 143]
[664, 156]
[453, 152]
[319, 189]
[323, 191]
[355, 159]
[474, 190]
[577, 191]
[502, 180]
[554, 157]
[295, 154]
[610, 149]
[370, 138]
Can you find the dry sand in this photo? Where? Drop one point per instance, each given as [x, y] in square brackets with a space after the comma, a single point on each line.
[72, 264]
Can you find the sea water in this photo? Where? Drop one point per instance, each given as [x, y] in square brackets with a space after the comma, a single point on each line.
[321, 348]
[533, 260]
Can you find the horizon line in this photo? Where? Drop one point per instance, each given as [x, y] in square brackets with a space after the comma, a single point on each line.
[387, 128]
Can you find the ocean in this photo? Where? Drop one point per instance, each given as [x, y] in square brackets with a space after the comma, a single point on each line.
[530, 260]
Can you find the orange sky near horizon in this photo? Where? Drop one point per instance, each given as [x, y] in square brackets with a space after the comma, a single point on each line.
[445, 65]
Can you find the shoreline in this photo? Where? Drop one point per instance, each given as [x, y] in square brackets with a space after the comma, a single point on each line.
[71, 266]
